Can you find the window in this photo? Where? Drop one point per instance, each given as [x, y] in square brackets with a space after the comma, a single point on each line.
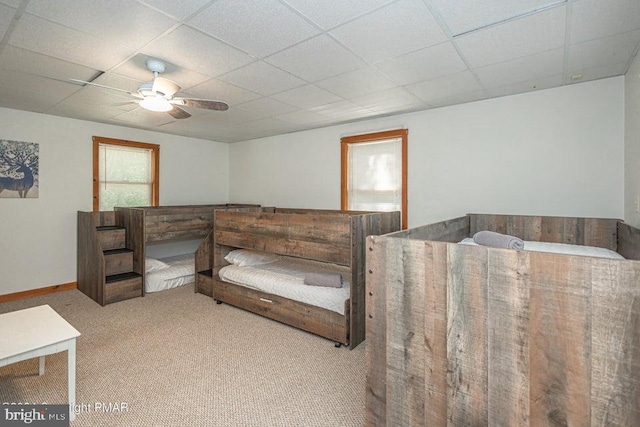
[125, 173]
[374, 172]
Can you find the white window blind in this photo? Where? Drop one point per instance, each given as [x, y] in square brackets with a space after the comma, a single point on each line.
[375, 175]
[126, 176]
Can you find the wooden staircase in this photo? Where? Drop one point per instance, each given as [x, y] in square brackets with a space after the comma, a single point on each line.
[106, 267]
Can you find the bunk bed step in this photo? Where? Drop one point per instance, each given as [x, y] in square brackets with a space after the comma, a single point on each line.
[118, 261]
[119, 287]
[111, 237]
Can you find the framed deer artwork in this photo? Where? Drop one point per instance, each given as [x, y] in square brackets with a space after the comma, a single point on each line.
[19, 169]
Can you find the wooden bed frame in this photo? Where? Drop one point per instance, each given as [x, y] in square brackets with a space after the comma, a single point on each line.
[336, 237]
[471, 335]
[137, 226]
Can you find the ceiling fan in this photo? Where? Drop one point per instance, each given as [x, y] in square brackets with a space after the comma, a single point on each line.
[159, 94]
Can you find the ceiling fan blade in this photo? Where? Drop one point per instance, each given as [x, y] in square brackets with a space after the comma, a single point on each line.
[84, 83]
[165, 86]
[202, 103]
[178, 113]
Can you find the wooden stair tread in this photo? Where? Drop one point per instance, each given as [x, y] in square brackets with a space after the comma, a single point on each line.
[116, 251]
[122, 276]
[208, 272]
[109, 228]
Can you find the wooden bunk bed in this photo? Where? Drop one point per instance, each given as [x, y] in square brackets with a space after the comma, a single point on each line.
[112, 245]
[474, 335]
[335, 237]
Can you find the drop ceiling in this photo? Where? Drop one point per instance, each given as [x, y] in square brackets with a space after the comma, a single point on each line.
[290, 65]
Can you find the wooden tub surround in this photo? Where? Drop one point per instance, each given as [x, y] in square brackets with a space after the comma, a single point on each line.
[462, 335]
[336, 237]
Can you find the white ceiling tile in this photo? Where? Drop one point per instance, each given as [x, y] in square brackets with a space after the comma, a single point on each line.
[6, 16]
[32, 83]
[87, 111]
[262, 78]
[266, 107]
[386, 99]
[599, 52]
[307, 97]
[357, 83]
[178, 9]
[17, 59]
[521, 87]
[392, 31]
[599, 72]
[425, 64]
[18, 99]
[117, 21]
[136, 68]
[592, 19]
[330, 13]
[142, 117]
[459, 99]
[102, 97]
[303, 117]
[521, 37]
[14, 3]
[527, 68]
[316, 59]
[462, 16]
[64, 43]
[445, 87]
[219, 90]
[186, 47]
[232, 117]
[259, 27]
[342, 110]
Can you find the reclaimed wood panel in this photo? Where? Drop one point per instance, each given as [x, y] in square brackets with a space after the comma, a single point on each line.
[628, 241]
[529, 338]
[90, 258]
[379, 261]
[309, 318]
[599, 232]
[508, 320]
[560, 333]
[452, 230]
[467, 364]
[615, 343]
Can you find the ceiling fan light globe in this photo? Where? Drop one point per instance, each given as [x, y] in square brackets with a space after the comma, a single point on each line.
[159, 105]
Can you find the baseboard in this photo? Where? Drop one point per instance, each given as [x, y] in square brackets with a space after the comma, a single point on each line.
[39, 291]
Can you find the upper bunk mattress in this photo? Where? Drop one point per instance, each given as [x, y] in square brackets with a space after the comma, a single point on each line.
[285, 278]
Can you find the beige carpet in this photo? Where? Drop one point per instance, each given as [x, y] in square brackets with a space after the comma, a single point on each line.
[175, 358]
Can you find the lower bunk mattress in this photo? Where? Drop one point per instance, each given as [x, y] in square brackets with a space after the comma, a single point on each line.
[285, 278]
[170, 272]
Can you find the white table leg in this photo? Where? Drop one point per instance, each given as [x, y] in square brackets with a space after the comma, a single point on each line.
[71, 359]
[41, 367]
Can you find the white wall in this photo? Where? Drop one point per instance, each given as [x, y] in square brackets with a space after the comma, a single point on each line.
[552, 152]
[632, 144]
[38, 236]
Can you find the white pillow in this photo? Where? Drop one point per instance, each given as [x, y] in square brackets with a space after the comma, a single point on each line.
[151, 264]
[247, 257]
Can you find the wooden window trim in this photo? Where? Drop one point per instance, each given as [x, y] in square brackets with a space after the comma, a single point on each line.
[371, 137]
[155, 167]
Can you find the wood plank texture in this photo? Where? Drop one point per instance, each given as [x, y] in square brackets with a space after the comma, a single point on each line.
[328, 236]
[90, 258]
[503, 337]
[325, 323]
[599, 232]
[452, 230]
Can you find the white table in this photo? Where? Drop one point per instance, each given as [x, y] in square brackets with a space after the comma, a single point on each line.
[36, 332]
